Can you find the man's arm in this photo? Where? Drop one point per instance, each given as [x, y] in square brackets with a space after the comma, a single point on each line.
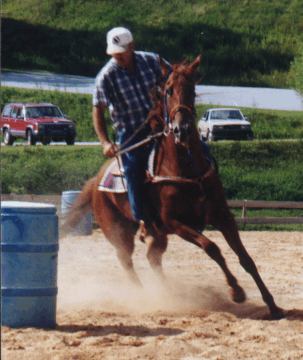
[99, 122]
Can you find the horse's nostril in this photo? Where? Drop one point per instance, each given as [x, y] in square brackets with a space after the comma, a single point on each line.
[176, 130]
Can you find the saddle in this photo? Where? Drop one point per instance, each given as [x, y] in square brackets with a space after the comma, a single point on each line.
[114, 179]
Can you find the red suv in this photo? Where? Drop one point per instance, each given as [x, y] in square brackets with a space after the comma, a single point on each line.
[36, 122]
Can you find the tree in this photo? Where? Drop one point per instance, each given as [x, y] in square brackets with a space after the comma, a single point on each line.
[296, 72]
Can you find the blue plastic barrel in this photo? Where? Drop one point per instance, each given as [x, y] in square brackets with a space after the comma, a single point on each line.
[29, 257]
[85, 225]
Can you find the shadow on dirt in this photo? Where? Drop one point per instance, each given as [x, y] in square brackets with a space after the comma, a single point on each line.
[139, 331]
[211, 299]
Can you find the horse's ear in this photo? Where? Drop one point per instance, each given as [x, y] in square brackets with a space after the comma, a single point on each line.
[194, 65]
[164, 68]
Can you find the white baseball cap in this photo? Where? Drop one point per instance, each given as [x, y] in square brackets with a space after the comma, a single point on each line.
[118, 40]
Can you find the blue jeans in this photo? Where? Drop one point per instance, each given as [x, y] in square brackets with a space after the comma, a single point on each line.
[135, 165]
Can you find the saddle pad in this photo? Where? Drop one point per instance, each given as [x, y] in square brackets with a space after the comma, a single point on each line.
[113, 179]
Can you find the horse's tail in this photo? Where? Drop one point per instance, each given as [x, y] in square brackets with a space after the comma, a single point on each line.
[80, 207]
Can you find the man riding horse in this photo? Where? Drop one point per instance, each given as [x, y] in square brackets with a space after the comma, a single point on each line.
[185, 190]
[123, 86]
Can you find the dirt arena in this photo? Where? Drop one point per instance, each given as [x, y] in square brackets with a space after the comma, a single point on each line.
[101, 316]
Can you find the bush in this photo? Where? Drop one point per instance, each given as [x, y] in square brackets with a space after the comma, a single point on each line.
[296, 73]
[51, 170]
[261, 170]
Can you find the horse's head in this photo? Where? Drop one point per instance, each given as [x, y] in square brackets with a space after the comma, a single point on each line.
[179, 92]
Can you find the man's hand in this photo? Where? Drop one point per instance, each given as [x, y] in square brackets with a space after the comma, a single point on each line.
[109, 149]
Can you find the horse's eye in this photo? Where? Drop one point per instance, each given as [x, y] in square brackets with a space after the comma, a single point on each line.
[169, 91]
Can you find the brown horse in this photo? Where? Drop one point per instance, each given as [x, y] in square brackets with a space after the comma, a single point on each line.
[185, 192]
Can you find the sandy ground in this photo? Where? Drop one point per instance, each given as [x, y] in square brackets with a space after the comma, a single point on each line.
[101, 316]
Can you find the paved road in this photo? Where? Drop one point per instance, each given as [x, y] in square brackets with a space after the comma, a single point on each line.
[77, 143]
[262, 98]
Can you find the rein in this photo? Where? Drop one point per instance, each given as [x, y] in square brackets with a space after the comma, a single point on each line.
[135, 133]
[138, 144]
[173, 112]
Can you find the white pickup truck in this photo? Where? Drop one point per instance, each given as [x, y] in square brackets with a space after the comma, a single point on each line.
[224, 123]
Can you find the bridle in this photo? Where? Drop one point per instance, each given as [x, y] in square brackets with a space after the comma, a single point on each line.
[167, 119]
[169, 116]
[179, 107]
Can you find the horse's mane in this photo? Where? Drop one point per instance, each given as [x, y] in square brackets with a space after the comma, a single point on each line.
[156, 114]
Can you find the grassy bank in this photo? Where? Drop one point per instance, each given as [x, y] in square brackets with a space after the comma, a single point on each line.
[266, 124]
[256, 43]
[258, 170]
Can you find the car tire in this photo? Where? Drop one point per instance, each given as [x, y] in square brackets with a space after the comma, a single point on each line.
[31, 140]
[46, 141]
[202, 138]
[200, 134]
[70, 140]
[8, 138]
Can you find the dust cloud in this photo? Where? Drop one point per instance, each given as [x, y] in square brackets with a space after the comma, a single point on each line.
[190, 316]
[90, 275]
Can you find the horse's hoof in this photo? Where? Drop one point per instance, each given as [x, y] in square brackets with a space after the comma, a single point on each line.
[238, 295]
[277, 314]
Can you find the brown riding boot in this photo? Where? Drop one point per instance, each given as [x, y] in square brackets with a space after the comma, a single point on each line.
[142, 230]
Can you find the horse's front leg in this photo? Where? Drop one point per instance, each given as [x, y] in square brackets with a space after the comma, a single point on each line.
[212, 250]
[230, 231]
[156, 246]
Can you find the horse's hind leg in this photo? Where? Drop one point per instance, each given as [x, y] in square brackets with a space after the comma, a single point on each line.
[230, 231]
[213, 251]
[120, 232]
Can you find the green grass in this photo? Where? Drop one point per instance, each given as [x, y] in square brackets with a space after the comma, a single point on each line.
[243, 42]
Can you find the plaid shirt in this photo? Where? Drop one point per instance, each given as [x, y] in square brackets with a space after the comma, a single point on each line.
[127, 94]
